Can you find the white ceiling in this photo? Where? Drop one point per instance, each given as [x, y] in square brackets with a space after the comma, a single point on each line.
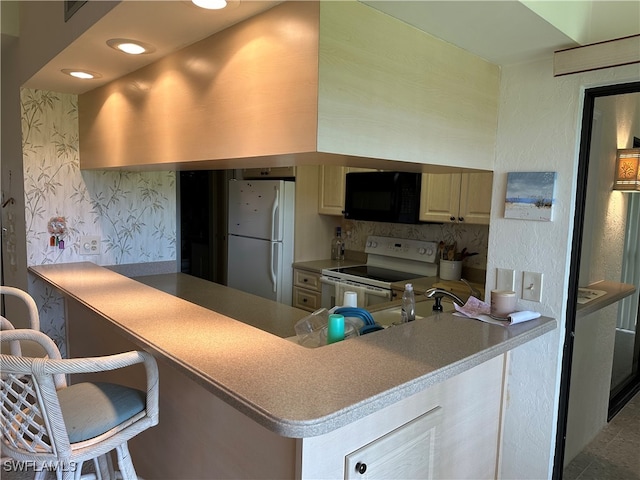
[502, 31]
[507, 31]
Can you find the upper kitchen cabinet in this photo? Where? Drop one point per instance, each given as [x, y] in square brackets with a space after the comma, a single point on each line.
[332, 188]
[268, 172]
[456, 197]
[333, 83]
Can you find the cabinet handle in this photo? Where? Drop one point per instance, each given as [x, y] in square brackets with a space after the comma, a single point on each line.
[304, 300]
[461, 219]
[361, 467]
[305, 280]
[453, 219]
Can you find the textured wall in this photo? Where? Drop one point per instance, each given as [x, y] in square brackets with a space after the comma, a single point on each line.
[132, 212]
[606, 212]
[539, 130]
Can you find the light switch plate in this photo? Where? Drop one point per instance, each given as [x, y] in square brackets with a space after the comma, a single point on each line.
[532, 286]
[90, 245]
[505, 279]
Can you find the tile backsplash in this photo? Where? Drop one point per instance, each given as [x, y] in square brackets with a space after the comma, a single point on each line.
[474, 237]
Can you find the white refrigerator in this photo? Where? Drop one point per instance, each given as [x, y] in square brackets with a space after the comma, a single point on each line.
[260, 238]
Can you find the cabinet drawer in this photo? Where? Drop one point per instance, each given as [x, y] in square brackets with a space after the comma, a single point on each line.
[306, 299]
[306, 279]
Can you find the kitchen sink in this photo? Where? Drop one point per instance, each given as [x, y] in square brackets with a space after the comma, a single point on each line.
[383, 316]
[388, 316]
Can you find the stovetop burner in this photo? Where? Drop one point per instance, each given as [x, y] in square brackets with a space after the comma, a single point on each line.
[390, 260]
[376, 273]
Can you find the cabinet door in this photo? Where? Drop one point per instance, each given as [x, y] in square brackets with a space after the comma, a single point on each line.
[332, 186]
[475, 197]
[410, 451]
[333, 181]
[269, 172]
[440, 197]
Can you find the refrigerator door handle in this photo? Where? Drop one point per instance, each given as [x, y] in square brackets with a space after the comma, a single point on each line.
[275, 258]
[275, 213]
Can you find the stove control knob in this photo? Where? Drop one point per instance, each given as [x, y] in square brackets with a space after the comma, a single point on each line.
[372, 244]
[423, 251]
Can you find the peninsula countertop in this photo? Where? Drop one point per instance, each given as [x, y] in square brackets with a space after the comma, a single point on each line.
[291, 390]
[612, 292]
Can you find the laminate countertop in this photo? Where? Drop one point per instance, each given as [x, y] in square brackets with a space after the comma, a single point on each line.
[601, 294]
[292, 390]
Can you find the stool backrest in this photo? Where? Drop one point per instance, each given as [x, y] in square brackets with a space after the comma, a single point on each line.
[32, 308]
[31, 420]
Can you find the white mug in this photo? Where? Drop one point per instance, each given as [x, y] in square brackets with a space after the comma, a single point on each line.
[503, 303]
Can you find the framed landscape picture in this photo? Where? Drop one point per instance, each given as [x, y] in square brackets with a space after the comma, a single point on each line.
[530, 195]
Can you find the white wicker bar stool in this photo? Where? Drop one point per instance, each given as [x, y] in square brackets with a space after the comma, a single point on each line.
[47, 424]
[32, 308]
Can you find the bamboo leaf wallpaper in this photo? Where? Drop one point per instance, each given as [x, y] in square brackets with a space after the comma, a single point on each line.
[133, 213]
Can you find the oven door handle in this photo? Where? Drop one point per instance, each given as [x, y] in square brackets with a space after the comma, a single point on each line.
[378, 292]
[369, 290]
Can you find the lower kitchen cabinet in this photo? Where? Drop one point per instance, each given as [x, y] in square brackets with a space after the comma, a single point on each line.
[307, 289]
[450, 430]
[407, 452]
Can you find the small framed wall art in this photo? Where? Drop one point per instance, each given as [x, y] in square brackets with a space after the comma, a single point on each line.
[530, 195]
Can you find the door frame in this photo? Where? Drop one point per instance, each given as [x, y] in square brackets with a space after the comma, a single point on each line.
[590, 95]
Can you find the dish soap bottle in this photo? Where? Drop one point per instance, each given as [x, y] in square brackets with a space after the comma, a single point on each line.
[337, 246]
[408, 304]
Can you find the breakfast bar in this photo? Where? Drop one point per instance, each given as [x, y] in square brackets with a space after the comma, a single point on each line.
[234, 387]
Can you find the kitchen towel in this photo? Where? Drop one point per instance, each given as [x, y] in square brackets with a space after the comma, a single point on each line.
[479, 310]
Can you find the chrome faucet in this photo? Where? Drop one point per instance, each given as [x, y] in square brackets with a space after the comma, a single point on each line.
[474, 291]
[438, 293]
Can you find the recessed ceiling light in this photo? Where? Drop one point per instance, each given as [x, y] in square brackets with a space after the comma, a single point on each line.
[81, 73]
[132, 47]
[210, 4]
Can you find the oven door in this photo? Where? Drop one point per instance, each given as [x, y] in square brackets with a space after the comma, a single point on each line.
[333, 293]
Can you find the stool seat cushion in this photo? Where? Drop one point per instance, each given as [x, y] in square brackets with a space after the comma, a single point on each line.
[91, 409]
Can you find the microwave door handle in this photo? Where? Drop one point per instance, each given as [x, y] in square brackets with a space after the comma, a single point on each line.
[396, 202]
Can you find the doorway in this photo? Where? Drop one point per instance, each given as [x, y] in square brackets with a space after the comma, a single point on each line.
[625, 377]
[581, 212]
[203, 223]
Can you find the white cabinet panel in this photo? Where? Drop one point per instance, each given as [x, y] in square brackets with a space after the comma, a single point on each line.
[407, 452]
[456, 197]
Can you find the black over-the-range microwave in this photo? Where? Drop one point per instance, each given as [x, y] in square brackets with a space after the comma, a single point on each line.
[383, 196]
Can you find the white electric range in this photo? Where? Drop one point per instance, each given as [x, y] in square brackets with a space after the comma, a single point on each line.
[389, 260]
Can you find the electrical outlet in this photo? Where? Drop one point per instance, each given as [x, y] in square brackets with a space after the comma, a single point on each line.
[505, 279]
[532, 286]
[90, 245]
